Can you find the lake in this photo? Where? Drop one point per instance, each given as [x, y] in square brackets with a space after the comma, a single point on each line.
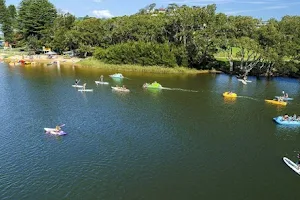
[185, 142]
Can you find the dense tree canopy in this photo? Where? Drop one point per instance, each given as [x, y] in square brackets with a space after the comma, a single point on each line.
[188, 36]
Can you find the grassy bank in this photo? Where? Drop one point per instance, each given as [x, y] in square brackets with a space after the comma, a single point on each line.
[91, 62]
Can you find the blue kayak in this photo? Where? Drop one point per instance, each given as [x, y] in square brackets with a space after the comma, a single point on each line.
[290, 121]
[284, 98]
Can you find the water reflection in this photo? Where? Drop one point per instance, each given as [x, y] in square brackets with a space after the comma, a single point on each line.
[229, 100]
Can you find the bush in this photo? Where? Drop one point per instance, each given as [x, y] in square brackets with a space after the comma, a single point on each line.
[140, 53]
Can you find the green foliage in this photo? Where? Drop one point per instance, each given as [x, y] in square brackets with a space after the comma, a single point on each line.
[139, 53]
[35, 18]
[177, 36]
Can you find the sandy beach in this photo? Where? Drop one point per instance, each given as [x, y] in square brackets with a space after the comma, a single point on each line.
[38, 58]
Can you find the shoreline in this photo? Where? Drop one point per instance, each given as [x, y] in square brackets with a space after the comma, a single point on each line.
[93, 63]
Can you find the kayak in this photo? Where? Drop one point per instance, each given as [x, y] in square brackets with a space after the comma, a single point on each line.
[54, 131]
[120, 89]
[101, 83]
[85, 90]
[289, 121]
[292, 165]
[284, 98]
[77, 86]
[282, 103]
[153, 85]
[118, 75]
[227, 94]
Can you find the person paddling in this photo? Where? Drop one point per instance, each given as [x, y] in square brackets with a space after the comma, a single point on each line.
[84, 86]
[101, 78]
[76, 82]
[57, 128]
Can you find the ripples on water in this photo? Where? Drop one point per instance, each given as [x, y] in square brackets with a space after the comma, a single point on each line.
[146, 144]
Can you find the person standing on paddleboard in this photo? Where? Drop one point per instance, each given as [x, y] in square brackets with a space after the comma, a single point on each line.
[101, 78]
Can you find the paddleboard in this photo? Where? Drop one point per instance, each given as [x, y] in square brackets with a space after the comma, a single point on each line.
[243, 81]
[86, 90]
[292, 165]
[101, 83]
[120, 89]
[77, 86]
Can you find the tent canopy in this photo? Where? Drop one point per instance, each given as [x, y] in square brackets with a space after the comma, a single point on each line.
[51, 53]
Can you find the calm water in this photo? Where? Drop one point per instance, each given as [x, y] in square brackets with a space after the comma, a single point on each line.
[167, 144]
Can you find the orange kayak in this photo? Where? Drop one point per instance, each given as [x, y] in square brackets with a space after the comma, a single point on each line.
[282, 103]
[227, 94]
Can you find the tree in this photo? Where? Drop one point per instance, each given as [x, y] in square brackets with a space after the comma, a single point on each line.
[2, 11]
[36, 18]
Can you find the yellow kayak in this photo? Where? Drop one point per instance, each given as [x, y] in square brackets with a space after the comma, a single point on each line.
[276, 102]
[227, 94]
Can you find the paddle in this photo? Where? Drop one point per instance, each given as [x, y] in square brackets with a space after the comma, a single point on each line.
[62, 125]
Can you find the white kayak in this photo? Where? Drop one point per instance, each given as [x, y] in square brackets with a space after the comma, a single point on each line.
[77, 86]
[292, 165]
[120, 89]
[101, 83]
[54, 131]
[85, 90]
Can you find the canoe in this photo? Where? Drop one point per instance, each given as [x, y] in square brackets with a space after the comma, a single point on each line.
[292, 165]
[290, 121]
[284, 98]
[54, 132]
[153, 85]
[232, 95]
[118, 75]
[282, 103]
[85, 90]
[101, 83]
[120, 89]
[77, 86]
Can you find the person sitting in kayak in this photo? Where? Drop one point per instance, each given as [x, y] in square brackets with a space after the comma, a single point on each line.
[229, 92]
[57, 128]
[285, 117]
[280, 99]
